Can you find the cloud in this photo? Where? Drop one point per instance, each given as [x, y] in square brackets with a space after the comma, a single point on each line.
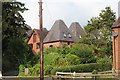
[67, 10]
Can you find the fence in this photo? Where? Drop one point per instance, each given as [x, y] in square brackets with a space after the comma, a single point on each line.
[85, 75]
[107, 75]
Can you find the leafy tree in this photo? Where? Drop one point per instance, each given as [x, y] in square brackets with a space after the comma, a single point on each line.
[99, 30]
[84, 52]
[64, 50]
[50, 50]
[15, 51]
[72, 59]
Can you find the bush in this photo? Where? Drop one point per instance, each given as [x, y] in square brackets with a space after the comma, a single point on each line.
[21, 70]
[35, 70]
[47, 69]
[72, 59]
[32, 71]
[50, 50]
[52, 58]
[83, 68]
[63, 50]
[85, 52]
[94, 72]
[104, 60]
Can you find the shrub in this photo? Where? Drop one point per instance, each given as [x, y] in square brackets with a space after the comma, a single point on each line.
[63, 50]
[94, 72]
[104, 60]
[85, 52]
[32, 71]
[47, 69]
[72, 59]
[21, 70]
[52, 58]
[35, 70]
[50, 49]
[83, 68]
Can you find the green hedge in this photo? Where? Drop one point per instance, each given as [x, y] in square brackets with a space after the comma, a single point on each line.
[83, 68]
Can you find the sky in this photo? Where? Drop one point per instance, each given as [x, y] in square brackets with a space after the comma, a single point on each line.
[67, 10]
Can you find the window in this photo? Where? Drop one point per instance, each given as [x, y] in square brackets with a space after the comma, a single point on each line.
[65, 35]
[38, 46]
[68, 43]
[51, 45]
[79, 36]
[69, 35]
[34, 37]
[31, 46]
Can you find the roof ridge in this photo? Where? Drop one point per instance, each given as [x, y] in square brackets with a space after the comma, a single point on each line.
[57, 32]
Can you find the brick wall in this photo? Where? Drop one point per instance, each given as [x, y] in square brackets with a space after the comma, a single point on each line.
[116, 51]
[56, 44]
[31, 41]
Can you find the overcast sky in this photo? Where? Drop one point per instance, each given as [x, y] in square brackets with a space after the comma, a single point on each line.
[68, 10]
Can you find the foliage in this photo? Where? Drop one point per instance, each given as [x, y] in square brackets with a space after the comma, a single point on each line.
[72, 59]
[35, 70]
[90, 54]
[84, 52]
[104, 60]
[52, 59]
[61, 50]
[94, 72]
[99, 31]
[48, 69]
[21, 70]
[50, 50]
[83, 68]
[64, 50]
[14, 48]
[32, 71]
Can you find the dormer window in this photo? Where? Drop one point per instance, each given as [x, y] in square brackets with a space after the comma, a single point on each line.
[69, 35]
[80, 36]
[64, 35]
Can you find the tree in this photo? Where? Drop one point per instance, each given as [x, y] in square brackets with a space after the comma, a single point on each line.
[99, 30]
[15, 51]
[84, 52]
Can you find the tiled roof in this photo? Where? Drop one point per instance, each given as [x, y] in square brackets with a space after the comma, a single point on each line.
[77, 30]
[29, 33]
[42, 34]
[116, 24]
[59, 32]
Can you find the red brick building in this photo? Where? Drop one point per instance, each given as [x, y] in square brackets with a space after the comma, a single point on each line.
[34, 39]
[116, 46]
[58, 35]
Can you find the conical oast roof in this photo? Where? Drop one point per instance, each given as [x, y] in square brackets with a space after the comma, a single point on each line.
[116, 24]
[59, 32]
[77, 30]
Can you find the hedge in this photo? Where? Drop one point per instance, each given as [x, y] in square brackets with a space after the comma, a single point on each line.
[83, 68]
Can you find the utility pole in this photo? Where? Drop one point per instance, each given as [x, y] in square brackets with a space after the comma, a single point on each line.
[41, 42]
[40, 16]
